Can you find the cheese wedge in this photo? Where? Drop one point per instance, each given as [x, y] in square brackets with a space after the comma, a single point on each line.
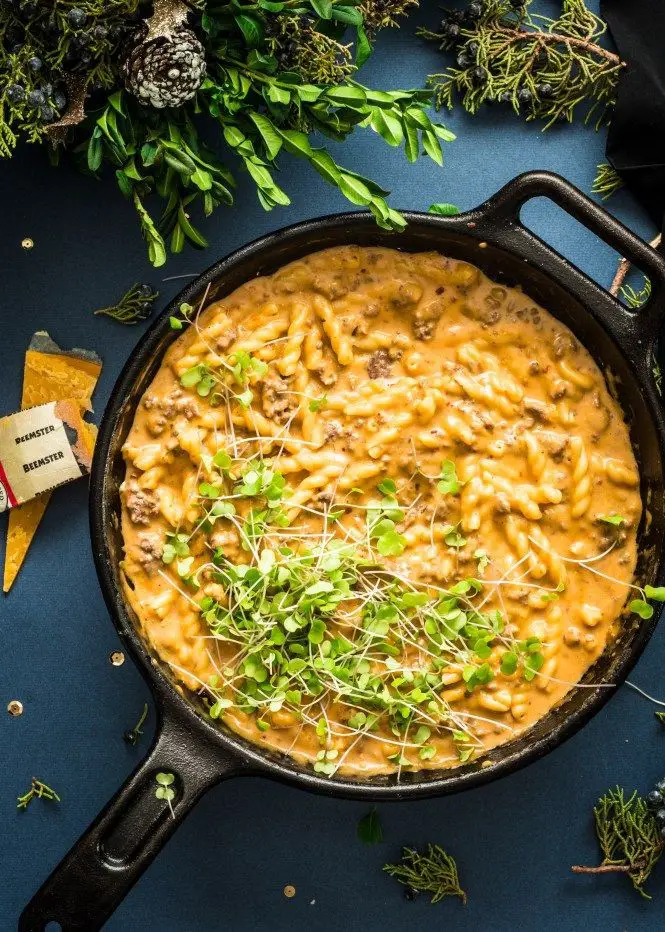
[49, 374]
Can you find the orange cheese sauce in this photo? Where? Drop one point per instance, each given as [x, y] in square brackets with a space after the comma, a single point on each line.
[503, 461]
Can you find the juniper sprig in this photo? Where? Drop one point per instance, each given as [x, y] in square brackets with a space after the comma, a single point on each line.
[433, 871]
[544, 68]
[607, 181]
[629, 838]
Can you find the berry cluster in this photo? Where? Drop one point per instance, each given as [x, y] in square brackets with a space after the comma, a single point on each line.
[450, 31]
[68, 41]
[656, 802]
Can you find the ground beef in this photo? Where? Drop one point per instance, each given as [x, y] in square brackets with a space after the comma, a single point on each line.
[379, 365]
[563, 343]
[426, 318]
[332, 430]
[226, 339]
[150, 546]
[141, 505]
[277, 401]
[538, 409]
[167, 404]
[187, 407]
[407, 296]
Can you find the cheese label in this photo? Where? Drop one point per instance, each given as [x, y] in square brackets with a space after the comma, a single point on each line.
[40, 449]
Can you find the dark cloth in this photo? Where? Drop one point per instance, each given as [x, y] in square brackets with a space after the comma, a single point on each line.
[636, 139]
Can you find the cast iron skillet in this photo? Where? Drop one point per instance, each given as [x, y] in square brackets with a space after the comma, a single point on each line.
[93, 878]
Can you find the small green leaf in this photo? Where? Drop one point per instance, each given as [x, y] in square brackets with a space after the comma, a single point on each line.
[641, 608]
[616, 520]
[369, 828]
[251, 28]
[443, 210]
[322, 8]
[657, 593]
[448, 483]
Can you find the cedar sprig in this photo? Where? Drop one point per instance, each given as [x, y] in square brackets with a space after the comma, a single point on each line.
[607, 181]
[135, 305]
[544, 68]
[628, 836]
[38, 790]
[433, 872]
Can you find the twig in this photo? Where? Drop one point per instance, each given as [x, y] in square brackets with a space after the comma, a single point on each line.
[518, 35]
[602, 869]
[624, 267]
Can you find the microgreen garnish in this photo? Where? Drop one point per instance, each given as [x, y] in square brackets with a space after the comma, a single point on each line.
[38, 790]
[433, 872]
[164, 789]
[453, 537]
[318, 404]
[369, 828]
[641, 608]
[177, 545]
[616, 520]
[199, 377]
[382, 517]
[660, 715]
[132, 735]
[464, 745]
[483, 560]
[243, 365]
[178, 322]
[448, 483]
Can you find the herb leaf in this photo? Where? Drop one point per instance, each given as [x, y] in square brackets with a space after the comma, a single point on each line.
[369, 829]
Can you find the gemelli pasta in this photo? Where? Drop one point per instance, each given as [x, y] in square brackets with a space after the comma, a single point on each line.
[379, 511]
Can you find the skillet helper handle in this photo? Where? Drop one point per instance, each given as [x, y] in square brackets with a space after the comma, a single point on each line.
[108, 859]
[505, 207]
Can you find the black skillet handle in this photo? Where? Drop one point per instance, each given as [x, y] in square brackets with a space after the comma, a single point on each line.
[502, 212]
[108, 859]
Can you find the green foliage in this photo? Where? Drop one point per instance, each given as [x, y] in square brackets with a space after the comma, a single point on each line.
[433, 872]
[607, 181]
[628, 836]
[276, 73]
[369, 829]
[165, 789]
[133, 735]
[38, 790]
[544, 68]
[134, 306]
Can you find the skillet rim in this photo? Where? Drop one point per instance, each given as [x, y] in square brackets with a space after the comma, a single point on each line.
[169, 702]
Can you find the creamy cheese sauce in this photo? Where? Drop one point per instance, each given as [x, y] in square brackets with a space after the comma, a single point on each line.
[323, 456]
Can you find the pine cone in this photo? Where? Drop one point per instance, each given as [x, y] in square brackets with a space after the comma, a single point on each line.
[166, 66]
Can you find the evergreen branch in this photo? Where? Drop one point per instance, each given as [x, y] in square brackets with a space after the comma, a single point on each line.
[607, 181]
[544, 68]
[628, 836]
[433, 872]
[276, 72]
[134, 306]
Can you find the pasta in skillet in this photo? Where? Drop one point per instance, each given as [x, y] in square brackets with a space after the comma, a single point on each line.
[379, 512]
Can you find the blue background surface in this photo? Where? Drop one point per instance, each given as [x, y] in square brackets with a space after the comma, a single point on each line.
[226, 867]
